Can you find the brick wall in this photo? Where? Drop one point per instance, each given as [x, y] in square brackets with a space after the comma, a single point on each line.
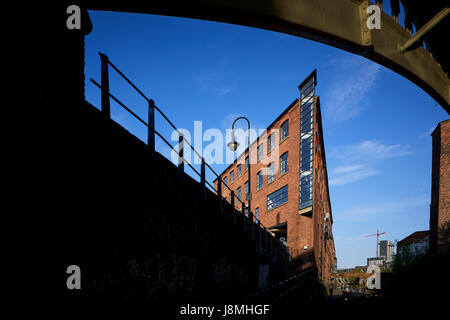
[440, 188]
[304, 231]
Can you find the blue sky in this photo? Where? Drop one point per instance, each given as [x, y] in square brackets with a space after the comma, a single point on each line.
[376, 124]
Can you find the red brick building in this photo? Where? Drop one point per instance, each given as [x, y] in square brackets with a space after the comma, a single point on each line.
[440, 189]
[289, 181]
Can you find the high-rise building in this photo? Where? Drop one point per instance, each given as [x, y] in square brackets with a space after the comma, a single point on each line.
[440, 189]
[387, 250]
[289, 181]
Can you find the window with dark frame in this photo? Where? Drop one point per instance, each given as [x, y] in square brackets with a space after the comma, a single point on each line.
[284, 167]
[284, 130]
[246, 163]
[231, 177]
[257, 213]
[271, 173]
[270, 142]
[277, 198]
[239, 171]
[238, 193]
[259, 180]
[260, 152]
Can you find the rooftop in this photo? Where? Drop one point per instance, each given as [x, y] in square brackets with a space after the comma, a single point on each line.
[416, 236]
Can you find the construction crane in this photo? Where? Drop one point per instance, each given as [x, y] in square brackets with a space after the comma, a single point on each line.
[378, 234]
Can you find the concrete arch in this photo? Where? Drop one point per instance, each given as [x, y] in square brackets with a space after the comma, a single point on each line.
[339, 23]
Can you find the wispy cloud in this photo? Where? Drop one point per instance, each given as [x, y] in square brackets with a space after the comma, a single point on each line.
[348, 174]
[369, 152]
[354, 78]
[375, 210]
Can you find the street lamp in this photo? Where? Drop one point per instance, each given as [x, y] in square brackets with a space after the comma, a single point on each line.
[233, 145]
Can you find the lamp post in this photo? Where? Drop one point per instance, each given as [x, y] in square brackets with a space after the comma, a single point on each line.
[233, 145]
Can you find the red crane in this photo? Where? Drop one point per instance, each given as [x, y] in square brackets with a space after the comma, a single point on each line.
[378, 234]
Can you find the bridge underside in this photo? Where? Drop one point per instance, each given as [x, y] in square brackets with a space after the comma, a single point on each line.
[339, 23]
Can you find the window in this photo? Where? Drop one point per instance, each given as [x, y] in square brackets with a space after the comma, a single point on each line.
[239, 193]
[260, 152]
[246, 188]
[307, 142]
[257, 214]
[259, 180]
[277, 198]
[284, 130]
[225, 180]
[284, 163]
[306, 184]
[231, 176]
[239, 167]
[271, 170]
[270, 142]
[246, 163]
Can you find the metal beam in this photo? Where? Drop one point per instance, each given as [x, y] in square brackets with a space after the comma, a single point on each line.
[422, 31]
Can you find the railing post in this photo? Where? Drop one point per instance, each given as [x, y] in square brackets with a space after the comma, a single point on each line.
[244, 218]
[259, 235]
[219, 194]
[151, 126]
[202, 180]
[272, 246]
[250, 217]
[181, 157]
[106, 109]
[264, 236]
[232, 206]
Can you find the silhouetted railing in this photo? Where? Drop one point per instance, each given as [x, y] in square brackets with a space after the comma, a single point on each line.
[265, 241]
[282, 289]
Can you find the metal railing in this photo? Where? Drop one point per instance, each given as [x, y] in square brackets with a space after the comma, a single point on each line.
[265, 241]
[282, 289]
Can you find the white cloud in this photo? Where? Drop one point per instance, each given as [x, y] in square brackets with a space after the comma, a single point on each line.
[371, 211]
[371, 151]
[354, 78]
[348, 174]
[361, 160]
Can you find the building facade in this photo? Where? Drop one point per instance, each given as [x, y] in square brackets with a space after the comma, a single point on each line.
[289, 181]
[440, 189]
[414, 245]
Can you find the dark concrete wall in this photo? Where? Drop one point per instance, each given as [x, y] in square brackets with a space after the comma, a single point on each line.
[137, 232]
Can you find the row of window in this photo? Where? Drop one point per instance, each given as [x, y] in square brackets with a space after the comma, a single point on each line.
[271, 139]
[284, 167]
[259, 152]
[307, 143]
[275, 199]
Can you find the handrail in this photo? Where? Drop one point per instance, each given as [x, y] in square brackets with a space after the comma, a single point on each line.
[280, 251]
